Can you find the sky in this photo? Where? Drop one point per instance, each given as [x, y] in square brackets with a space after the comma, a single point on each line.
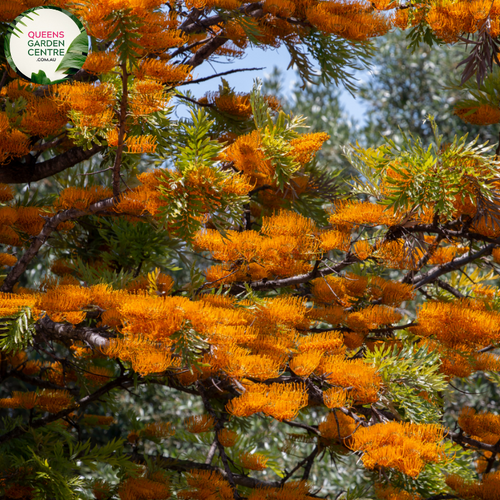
[267, 60]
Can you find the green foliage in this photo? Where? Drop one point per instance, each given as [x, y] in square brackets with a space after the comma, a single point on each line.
[276, 132]
[16, 332]
[412, 380]
[421, 34]
[487, 93]
[337, 57]
[51, 455]
[188, 198]
[416, 176]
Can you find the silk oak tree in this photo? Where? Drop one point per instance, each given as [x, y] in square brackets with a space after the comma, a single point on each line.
[214, 257]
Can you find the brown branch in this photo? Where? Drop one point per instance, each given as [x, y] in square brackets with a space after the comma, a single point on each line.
[436, 272]
[37, 242]
[425, 258]
[95, 337]
[177, 465]
[206, 50]
[445, 286]
[81, 403]
[219, 425]
[294, 280]
[464, 441]
[217, 75]
[196, 26]
[300, 425]
[17, 172]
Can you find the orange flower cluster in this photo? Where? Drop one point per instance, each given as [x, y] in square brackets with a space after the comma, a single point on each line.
[337, 426]
[457, 363]
[91, 103]
[305, 147]
[98, 420]
[484, 427]
[52, 401]
[388, 492]
[372, 317]
[336, 398]
[305, 363]
[7, 259]
[141, 144]
[388, 292]
[206, 484]
[159, 33]
[81, 198]
[449, 20]
[199, 424]
[6, 192]
[138, 488]
[145, 356]
[291, 490]
[280, 401]
[253, 461]
[283, 248]
[13, 144]
[163, 72]
[98, 374]
[353, 20]
[158, 430]
[43, 117]
[483, 114]
[355, 374]
[248, 154]
[98, 63]
[405, 447]
[343, 291]
[227, 438]
[464, 325]
[350, 214]
[487, 489]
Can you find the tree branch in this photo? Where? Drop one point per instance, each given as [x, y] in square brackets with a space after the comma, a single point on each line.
[49, 227]
[294, 280]
[17, 172]
[436, 272]
[81, 403]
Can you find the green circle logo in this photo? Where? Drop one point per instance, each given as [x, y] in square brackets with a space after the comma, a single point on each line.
[46, 45]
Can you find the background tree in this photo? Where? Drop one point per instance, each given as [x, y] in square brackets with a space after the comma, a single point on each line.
[293, 313]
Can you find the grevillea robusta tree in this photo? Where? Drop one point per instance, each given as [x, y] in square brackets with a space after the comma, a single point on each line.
[216, 261]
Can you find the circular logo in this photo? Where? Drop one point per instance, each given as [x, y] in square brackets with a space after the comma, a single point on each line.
[46, 45]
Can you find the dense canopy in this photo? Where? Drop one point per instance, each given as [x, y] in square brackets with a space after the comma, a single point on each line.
[198, 308]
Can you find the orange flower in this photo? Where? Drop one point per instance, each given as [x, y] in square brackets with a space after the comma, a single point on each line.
[199, 424]
[484, 114]
[7, 260]
[227, 438]
[159, 430]
[98, 63]
[6, 193]
[405, 447]
[253, 461]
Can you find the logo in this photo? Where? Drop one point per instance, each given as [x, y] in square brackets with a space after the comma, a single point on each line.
[46, 45]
